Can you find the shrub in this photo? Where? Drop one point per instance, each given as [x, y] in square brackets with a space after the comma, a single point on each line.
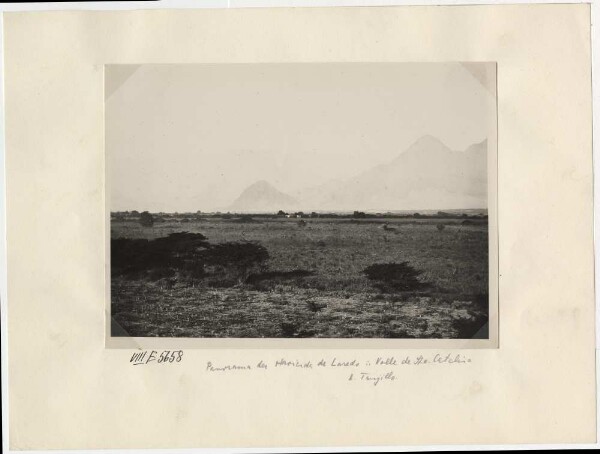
[394, 277]
[146, 219]
[301, 223]
[187, 255]
[180, 251]
[440, 227]
[130, 257]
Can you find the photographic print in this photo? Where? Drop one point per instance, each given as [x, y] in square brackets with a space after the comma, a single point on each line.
[304, 200]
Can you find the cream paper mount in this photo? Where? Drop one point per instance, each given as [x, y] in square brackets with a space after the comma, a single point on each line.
[67, 390]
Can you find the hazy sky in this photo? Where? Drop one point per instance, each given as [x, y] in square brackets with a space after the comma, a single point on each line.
[193, 137]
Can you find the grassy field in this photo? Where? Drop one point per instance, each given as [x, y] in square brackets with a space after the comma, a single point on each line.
[325, 292]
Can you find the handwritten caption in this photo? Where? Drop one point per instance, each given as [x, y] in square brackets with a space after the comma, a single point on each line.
[360, 371]
[377, 370]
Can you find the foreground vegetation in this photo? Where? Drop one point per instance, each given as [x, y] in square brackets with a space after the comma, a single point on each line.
[273, 276]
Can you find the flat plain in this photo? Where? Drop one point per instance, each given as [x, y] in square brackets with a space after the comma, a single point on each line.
[312, 280]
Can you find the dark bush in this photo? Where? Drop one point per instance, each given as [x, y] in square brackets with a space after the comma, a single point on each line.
[180, 251]
[394, 277]
[189, 256]
[133, 256]
[146, 219]
[440, 227]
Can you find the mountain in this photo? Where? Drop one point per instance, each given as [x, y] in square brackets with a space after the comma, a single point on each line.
[262, 197]
[428, 175]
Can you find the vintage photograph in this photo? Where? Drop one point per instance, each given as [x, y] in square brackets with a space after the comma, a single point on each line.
[301, 200]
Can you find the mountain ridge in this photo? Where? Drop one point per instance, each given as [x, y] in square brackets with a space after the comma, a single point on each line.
[427, 175]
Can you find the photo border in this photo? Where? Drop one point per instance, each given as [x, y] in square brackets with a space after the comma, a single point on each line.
[492, 342]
